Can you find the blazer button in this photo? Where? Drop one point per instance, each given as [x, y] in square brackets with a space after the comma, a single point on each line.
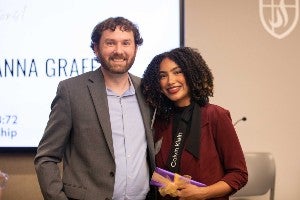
[112, 174]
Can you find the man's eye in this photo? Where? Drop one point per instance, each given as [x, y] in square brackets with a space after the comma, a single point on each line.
[126, 43]
[109, 43]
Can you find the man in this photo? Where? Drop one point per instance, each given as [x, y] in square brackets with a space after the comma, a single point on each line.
[99, 126]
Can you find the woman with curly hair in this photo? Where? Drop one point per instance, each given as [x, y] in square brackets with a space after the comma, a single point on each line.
[192, 137]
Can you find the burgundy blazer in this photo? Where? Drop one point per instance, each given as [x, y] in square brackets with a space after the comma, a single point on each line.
[220, 153]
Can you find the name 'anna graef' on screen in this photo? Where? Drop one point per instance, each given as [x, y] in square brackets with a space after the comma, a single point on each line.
[50, 67]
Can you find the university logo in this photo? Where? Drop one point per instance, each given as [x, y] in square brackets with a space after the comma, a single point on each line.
[279, 17]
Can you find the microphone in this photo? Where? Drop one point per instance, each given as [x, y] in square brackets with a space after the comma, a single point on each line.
[242, 119]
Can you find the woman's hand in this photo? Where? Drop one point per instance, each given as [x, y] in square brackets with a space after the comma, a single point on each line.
[192, 192]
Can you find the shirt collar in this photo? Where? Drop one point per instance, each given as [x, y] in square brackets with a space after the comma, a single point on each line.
[129, 92]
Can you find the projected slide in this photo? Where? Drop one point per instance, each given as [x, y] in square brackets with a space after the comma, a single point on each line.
[44, 42]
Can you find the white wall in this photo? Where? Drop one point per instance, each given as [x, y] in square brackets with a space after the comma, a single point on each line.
[257, 76]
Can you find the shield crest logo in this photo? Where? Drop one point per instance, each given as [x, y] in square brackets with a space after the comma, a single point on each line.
[278, 17]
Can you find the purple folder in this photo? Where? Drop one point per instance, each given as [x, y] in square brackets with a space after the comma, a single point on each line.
[170, 175]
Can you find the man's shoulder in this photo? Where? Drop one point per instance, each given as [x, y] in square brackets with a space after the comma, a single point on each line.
[81, 77]
[134, 77]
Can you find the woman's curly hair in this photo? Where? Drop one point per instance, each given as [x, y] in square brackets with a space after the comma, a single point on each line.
[195, 70]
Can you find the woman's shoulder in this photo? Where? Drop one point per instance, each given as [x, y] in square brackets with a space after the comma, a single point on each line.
[214, 109]
[214, 113]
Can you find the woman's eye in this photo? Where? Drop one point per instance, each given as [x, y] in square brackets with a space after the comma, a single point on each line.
[178, 72]
[161, 76]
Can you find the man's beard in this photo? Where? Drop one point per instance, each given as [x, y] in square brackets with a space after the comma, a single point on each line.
[116, 68]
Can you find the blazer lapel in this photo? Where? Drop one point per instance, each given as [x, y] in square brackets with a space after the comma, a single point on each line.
[97, 90]
[145, 111]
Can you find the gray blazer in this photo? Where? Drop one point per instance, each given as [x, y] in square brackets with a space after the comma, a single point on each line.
[79, 133]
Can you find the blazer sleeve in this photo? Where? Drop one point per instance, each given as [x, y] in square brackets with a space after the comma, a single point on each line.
[229, 150]
[51, 147]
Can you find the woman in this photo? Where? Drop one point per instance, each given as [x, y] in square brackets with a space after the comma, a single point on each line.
[192, 136]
